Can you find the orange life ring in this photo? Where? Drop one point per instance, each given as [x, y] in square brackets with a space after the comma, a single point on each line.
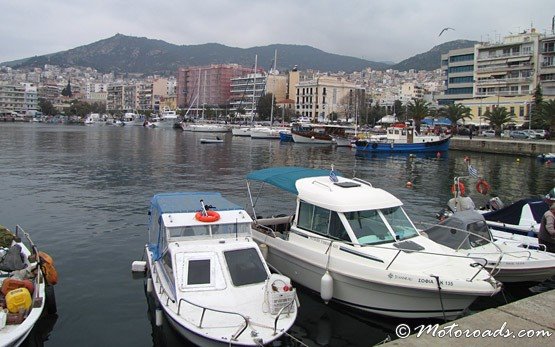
[454, 188]
[482, 186]
[211, 216]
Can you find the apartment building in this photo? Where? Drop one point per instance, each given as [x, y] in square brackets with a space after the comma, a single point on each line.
[457, 67]
[547, 65]
[321, 96]
[122, 97]
[19, 98]
[245, 92]
[207, 85]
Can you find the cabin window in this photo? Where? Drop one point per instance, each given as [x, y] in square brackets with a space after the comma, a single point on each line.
[187, 231]
[222, 229]
[245, 267]
[167, 263]
[369, 227]
[399, 222]
[321, 221]
[198, 272]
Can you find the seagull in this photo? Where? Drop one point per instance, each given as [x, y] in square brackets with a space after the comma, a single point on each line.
[445, 29]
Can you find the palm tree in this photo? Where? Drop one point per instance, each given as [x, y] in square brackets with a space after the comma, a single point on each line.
[548, 114]
[455, 113]
[498, 117]
[418, 109]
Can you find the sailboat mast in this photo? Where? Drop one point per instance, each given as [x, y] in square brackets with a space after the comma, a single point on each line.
[203, 94]
[198, 90]
[254, 86]
[273, 91]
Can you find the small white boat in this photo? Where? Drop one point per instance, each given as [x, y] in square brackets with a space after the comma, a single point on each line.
[244, 131]
[168, 119]
[208, 275]
[205, 127]
[354, 244]
[216, 140]
[17, 321]
[266, 133]
[468, 234]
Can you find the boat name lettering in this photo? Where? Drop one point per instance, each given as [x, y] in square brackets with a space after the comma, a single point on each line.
[399, 277]
[425, 280]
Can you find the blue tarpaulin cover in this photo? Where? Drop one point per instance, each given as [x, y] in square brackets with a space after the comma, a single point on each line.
[190, 202]
[284, 177]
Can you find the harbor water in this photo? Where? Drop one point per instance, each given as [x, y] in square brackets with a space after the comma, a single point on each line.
[82, 192]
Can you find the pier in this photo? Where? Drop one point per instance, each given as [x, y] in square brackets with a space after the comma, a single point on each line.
[527, 322]
[531, 148]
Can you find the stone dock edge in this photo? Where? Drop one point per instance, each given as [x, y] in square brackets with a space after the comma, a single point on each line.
[500, 326]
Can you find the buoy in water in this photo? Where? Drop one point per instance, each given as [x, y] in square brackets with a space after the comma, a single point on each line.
[264, 250]
[326, 287]
[438, 155]
[517, 160]
[158, 317]
[409, 184]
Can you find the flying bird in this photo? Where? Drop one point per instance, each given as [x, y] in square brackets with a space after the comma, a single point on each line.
[445, 29]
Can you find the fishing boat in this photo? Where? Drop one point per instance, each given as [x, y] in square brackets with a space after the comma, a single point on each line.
[404, 138]
[323, 134]
[209, 277]
[468, 234]
[354, 244]
[26, 286]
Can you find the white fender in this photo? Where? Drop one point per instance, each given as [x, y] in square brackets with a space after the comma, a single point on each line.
[264, 250]
[326, 287]
[158, 319]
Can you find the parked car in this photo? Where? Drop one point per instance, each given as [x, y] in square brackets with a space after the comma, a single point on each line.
[532, 134]
[488, 133]
[518, 134]
[541, 133]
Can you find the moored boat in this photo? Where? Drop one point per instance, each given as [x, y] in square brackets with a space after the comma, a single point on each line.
[26, 286]
[209, 276]
[468, 234]
[354, 244]
[404, 138]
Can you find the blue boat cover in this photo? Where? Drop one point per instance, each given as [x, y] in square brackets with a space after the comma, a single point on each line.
[190, 202]
[284, 177]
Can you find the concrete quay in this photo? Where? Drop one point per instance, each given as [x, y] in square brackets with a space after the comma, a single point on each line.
[530, 148]
[527, 322]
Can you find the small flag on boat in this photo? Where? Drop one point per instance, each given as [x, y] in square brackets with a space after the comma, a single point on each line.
[472, 171]
[333, 176]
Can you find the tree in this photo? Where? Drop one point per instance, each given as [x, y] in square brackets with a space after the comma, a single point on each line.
[399, 109]
[418, 109]
[67, 90]
[455, 113]
[498, 117]
[537, 104]
[548, 115]
[79, 108]
[46, 107]
[264, 106]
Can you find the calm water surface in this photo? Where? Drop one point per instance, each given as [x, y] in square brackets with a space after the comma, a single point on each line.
[83, 193]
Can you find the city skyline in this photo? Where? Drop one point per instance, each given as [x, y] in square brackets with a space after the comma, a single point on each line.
[386, 31]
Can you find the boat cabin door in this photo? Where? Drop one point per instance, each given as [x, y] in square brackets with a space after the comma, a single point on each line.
[410, 135]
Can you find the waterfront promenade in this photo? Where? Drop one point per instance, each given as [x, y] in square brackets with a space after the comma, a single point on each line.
[496, 145]
[516, 324]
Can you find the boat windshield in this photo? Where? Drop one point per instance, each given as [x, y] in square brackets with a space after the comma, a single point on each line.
[479, 228]
[200, 231]
[373, 226]
[245, 266]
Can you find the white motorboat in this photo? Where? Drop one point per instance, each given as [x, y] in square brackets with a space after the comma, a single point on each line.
[354, 244]
[467, 233]
[266, 133]
[205, 127]
[239, 130]
[25, 302]
[168, 119]
[209, 276]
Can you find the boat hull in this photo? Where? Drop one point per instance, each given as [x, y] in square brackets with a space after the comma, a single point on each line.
[311, 139]
[364, 294]
[385, 147]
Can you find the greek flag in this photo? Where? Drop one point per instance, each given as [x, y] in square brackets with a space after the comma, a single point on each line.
[333, 176]
[472, 171]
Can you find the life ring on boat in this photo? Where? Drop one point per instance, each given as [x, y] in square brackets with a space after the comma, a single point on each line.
[482, 186]
[461, 188]
[211, 216]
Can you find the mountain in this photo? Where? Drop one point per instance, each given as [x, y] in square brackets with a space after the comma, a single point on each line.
[121, 54]
[431, 60]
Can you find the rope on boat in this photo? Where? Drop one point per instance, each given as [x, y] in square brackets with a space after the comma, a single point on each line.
[296, 340]
[440, 297]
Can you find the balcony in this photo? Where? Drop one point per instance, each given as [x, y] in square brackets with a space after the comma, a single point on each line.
[505, 55]
[503, 93]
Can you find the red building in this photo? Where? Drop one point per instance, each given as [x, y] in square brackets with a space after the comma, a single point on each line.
[207, 85]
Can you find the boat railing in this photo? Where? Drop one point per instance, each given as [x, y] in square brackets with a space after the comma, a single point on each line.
[482, 266]
[204, 309]
[40, 277]
[289, 306]
[362, 181]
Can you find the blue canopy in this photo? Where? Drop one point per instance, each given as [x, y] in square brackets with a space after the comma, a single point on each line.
[437, 121]
[285, 177]
[190, 202]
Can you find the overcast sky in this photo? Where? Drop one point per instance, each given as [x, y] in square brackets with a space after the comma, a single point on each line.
[376, 30]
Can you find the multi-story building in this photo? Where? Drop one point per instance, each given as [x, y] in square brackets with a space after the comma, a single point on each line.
[321, 96]
[457, 67]
[245, 92]
[547, 65]
[115, 101]
[20, 98]
[207, 85]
